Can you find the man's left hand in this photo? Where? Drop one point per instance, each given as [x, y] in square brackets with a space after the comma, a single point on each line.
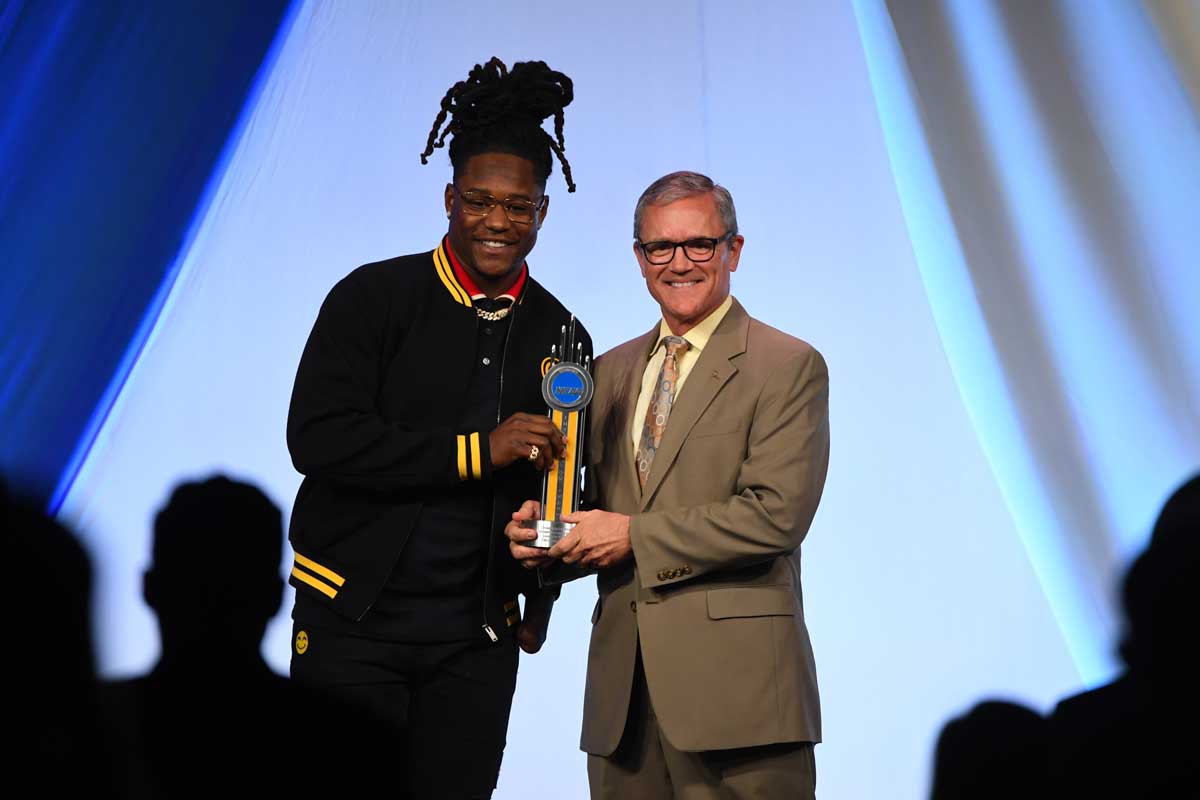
[531, 633]
[599, 539]
[519, 536]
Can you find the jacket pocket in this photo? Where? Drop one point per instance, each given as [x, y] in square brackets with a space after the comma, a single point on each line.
[751, 601]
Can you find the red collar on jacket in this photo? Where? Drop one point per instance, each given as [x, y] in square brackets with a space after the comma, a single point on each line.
[511, 293]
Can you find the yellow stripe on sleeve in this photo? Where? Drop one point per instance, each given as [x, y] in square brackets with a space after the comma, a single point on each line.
[476, 466]
[313, 582]
[324, 572]
[462, 457]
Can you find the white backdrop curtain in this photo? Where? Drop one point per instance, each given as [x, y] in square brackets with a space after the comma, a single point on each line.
[1047, 157]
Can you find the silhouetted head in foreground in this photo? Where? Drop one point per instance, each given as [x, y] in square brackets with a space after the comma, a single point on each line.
[1162, 593]
[51, 702]
[996, 750]
[52, 573]
[1119, 740]
[214, 582]
[212, 715]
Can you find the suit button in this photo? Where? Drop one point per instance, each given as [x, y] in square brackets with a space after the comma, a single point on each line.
[686, 570]
[662, 575]
[633, 606]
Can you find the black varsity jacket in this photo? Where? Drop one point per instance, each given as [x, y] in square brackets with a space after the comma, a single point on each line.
[372, 427]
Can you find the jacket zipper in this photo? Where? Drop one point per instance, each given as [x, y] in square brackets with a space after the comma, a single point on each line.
[487, 575]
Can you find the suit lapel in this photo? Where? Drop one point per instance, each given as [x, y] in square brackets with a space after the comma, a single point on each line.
[710, 373]
[623, 490]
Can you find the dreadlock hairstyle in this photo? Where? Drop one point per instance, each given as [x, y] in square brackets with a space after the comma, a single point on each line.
[496, 110]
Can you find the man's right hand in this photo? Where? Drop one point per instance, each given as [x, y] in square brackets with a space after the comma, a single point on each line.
[519, 434]
[519, 536]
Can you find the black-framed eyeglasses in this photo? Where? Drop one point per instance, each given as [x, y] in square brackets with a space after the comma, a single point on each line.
[698, 250]
[480, 205]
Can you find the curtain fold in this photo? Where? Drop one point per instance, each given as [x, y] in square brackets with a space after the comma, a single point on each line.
[1048, 161]
[1177, 23]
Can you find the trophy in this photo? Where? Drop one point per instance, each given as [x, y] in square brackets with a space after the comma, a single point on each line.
[567, 389]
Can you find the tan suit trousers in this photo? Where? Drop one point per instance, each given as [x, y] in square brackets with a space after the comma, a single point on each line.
[646, 767]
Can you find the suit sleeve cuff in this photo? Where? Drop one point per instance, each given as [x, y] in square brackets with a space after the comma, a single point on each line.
[652, 573]
[473, 456]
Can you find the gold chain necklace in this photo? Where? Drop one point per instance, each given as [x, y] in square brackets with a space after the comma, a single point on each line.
[492, 316]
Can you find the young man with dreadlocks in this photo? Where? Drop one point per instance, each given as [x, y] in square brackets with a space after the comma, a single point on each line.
[418, 422]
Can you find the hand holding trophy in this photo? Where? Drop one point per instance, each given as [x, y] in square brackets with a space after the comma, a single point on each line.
[567, 389]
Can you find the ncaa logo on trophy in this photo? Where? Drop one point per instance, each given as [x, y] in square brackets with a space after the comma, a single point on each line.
[567, 389]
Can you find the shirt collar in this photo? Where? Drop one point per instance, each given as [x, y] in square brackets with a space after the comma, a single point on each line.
[698, 336]
[511, 293]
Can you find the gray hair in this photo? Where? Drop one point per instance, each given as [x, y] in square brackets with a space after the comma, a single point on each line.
[679, 185]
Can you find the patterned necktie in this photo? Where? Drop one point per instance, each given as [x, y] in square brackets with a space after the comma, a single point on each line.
[660, 406]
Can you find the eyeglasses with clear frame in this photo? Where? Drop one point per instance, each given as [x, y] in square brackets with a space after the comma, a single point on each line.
[698, 250]
[478, 204]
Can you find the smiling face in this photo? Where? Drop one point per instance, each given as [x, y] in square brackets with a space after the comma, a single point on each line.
[687, 291]
[492, 247]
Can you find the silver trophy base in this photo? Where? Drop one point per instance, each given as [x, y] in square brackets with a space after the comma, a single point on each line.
[548, 532]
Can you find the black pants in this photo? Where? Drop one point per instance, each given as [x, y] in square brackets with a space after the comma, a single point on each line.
[448, 703]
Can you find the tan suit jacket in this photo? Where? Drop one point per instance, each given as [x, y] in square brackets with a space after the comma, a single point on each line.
[713, 592]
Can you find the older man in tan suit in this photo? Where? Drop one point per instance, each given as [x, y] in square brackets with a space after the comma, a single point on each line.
[708, 447]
